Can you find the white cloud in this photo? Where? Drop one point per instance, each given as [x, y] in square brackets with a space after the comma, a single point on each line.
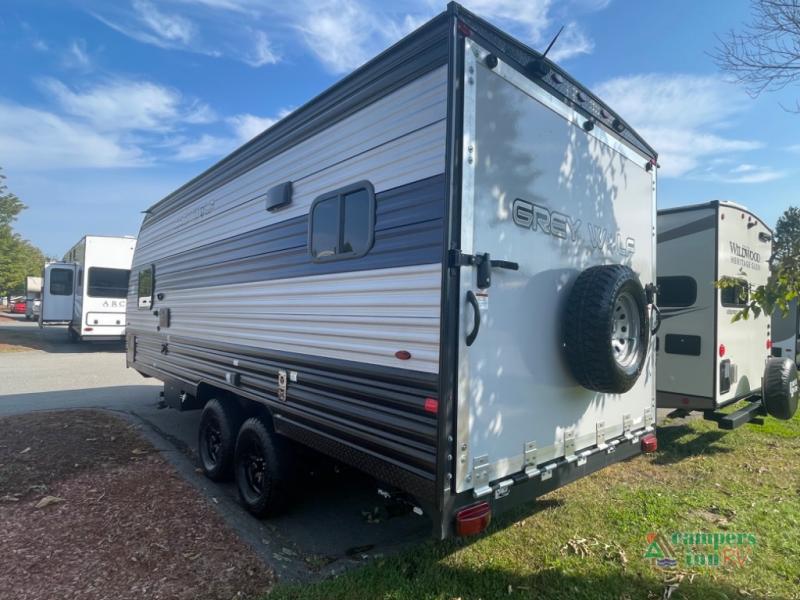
[572, 42]
[742, 174]
[682, 117]
[77, 56]
[40, 45]
[170, 28]
[33, 140]
[128, 105]
[341, 34]
[206, 146]
[262, 52]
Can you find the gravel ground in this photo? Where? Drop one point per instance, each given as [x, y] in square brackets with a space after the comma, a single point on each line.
[90, 510]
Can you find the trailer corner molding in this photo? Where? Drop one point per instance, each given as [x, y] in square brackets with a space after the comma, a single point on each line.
[537, 217]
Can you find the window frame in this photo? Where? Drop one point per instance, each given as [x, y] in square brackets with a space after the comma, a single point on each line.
[71, 282]
[152, 269]
[89, 283]
[745, 285]
[339, 194]
[693, 281]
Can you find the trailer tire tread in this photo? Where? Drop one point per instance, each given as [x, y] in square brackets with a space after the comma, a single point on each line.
[588, 320]
[229, 418]
[780, 388]
[278, 456]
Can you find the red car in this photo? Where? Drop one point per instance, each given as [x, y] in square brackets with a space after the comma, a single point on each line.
[19, 307]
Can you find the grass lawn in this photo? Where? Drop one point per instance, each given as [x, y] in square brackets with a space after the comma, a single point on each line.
[588, 539]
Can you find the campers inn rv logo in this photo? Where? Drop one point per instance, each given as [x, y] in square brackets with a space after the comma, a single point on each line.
[536, 217]
[688, 549]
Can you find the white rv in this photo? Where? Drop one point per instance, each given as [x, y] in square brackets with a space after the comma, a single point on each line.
[785, 329]
[439, 271]
[33, 297]
[705, 360]
[87, 290]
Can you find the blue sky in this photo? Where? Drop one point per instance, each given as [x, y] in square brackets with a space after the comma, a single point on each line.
[105, 107]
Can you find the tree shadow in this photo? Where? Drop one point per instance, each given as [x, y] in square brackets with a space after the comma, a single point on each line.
[678, 442]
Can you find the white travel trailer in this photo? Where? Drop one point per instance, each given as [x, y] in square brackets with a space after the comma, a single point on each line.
[439, 271]
[705, 360]
[87, 291]
[785, 329]
[33, 297]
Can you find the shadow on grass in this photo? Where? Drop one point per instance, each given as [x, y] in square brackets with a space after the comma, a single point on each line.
[677, 442]
[414, 579]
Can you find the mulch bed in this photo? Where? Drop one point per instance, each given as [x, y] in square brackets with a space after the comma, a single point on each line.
[90, 510]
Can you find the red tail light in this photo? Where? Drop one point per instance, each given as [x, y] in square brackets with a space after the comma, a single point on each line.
[721, 350]
[431, 405]
[769, 344]
[473, 519]
[649, 443]
[88, 329]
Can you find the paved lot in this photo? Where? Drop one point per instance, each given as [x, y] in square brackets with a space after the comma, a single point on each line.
[329, 528]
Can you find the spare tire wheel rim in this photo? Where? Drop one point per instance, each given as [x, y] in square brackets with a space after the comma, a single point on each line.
[626, 338]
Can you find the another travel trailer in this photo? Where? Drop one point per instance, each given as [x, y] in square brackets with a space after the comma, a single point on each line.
[439, 271]
[785, 329]
[33, 296]
[707, 361]
[87, 291]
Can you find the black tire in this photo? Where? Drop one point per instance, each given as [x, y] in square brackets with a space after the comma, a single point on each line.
[606, 303]
[263, 469]
[216, 438]
[780, 388]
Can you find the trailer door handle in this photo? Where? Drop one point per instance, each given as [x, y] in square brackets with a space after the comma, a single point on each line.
[476, 317]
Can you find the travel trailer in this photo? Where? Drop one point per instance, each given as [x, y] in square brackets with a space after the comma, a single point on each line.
[87, 290]
[440, 271]
[785, 329]
[706, 361]
[33, 297]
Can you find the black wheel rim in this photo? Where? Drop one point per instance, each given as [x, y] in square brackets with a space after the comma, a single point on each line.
[254, 469]
[212, 441]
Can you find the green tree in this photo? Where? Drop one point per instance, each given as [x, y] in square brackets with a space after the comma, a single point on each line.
[10, 205]
[784, 282]
[18, 257]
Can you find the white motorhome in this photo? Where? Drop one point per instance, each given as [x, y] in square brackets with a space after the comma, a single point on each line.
[707, 361]
[785, 329]
[439, 271]
[87, 290]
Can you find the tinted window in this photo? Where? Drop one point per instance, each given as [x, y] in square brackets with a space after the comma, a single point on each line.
[108, 283]
[677, 291]
[736, 295]
[61, 282]
[342, 223]
[325, 233]
[145, 288]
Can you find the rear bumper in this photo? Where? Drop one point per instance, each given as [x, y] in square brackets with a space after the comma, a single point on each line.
[524, 487]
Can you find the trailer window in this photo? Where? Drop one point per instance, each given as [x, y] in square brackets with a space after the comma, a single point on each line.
[145, 288]
[61, 282]
[677, 291]
[108, 283]
[735, 296]
[342, 223]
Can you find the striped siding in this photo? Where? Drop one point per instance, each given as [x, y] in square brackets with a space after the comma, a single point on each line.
[408, 231]
[380, 413]
[397, 140]
[363, 316]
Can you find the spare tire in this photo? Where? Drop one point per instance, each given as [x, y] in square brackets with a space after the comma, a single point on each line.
[606, 329]
[780, 388]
